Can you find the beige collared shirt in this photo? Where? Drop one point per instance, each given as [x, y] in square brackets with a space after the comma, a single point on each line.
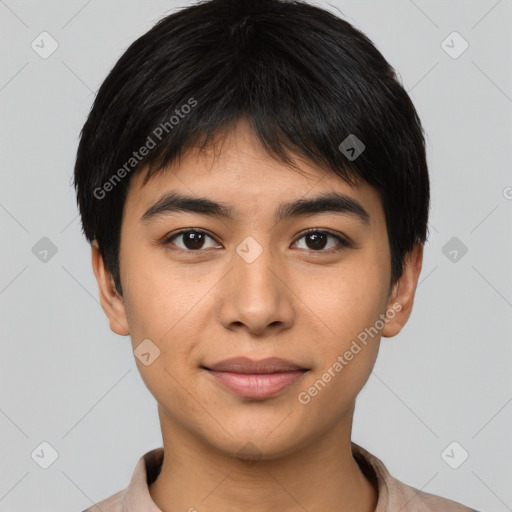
[394, 496]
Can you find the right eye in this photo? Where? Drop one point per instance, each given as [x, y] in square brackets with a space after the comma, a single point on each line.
[193, 240]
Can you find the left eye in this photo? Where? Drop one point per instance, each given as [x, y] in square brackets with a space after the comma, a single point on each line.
[318, 240]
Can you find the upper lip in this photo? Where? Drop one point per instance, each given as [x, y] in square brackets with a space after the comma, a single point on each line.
[246, 365]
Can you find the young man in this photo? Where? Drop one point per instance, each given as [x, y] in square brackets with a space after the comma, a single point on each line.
[253, 180]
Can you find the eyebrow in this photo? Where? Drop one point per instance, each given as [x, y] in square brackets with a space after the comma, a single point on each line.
[332, 202]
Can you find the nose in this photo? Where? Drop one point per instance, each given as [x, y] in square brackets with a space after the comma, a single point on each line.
[255, 295]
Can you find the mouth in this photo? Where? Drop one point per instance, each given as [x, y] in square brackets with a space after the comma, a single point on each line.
[255, 380]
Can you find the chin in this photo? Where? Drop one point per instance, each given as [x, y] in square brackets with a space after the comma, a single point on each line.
[253, 443]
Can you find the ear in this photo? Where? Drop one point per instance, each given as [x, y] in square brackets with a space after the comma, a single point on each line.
[111, 302]
[402, 296]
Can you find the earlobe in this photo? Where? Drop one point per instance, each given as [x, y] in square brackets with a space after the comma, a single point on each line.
[111, 302]
[402, 298]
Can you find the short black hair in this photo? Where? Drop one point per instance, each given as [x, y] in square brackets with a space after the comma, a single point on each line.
[304, 78]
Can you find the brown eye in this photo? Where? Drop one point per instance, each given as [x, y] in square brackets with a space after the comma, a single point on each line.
[316, 240]
[191, 240]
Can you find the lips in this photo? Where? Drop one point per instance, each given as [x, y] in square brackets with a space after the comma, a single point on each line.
[246, 365]
[255, 380]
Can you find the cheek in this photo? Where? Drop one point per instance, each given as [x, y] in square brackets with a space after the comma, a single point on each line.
[347, 301]
[171, 308]
[163, 309]
[348, 310]
[158, 297]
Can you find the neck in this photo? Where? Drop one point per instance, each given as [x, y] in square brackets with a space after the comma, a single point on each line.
[322, 475]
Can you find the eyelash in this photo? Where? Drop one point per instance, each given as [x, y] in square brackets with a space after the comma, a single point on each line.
[343, 242]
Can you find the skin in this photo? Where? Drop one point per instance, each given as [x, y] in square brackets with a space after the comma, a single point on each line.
[204, 305]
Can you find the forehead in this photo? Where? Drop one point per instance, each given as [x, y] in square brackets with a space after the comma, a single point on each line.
[237, 171]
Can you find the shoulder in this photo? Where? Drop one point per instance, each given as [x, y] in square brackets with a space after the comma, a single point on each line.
[112, 504]
[136, 495]
[415, 500]
[394, 495]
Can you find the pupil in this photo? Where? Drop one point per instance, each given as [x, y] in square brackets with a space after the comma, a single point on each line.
[318, 240]
[194, 240]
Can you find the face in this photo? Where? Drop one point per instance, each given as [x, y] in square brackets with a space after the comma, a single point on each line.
[256, 277]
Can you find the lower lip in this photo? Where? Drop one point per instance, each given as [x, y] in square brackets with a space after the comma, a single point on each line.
[257, 385]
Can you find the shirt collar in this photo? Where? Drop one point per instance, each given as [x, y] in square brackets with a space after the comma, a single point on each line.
[392, 494]
[137, 496]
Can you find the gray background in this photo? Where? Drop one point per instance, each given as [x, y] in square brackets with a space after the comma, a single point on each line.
[68, 380]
